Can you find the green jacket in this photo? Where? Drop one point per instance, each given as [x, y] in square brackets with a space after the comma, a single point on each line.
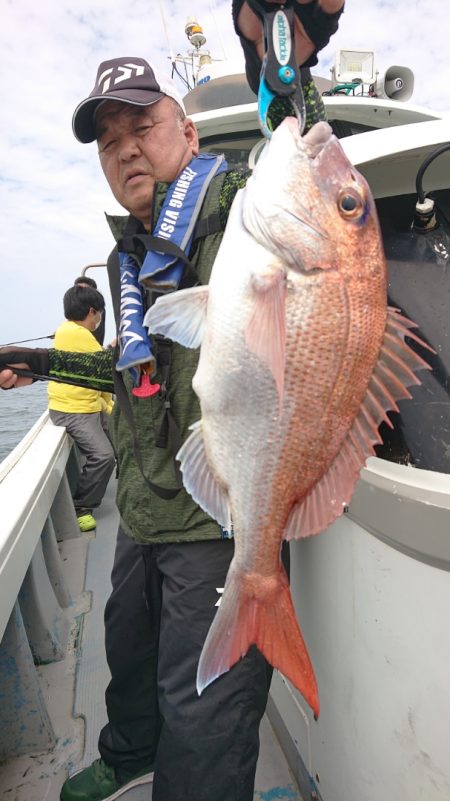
[145, 516]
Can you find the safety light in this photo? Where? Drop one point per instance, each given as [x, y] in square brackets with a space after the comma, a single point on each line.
[194, 33]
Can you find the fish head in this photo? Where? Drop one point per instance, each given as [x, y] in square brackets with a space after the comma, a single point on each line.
[307, 204]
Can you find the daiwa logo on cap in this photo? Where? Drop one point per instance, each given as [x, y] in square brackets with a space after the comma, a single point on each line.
[129, 79]
[123, 73]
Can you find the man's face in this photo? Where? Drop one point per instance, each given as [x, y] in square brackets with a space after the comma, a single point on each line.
[139, 146]
[93, 319]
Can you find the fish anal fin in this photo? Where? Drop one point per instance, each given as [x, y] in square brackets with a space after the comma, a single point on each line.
[257, 610]
[265, 333]
[393, 373]
[199, 480]
[180, 316]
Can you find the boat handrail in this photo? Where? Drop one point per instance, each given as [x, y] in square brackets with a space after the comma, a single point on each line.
[15, 455]
[32, 477]
[393, 501]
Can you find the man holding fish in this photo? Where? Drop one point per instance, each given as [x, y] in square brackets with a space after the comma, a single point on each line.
[289, 393]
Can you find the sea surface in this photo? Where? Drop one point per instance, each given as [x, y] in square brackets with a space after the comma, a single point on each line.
[19, 410]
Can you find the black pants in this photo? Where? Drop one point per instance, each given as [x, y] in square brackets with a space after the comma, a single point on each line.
[163, 601]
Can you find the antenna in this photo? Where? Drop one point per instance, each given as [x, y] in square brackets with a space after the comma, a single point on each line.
[172, 57]
[196, 57]
[171, 53]
[212, 9]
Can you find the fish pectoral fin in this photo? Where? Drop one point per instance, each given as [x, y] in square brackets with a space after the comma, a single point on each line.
[180, 316]
[265, 333]
[264, 619]
[199, 480]
[393, 373]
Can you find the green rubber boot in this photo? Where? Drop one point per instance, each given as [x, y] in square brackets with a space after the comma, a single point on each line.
[87, 522]
[99, 782]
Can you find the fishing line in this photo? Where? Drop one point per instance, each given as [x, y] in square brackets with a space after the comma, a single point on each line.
[21, 341]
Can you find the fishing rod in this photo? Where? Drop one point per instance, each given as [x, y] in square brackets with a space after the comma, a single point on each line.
[91, 383]
[38, 377]
[52, 365]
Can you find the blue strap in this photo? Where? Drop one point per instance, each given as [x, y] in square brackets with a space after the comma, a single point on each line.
[176, 222]
[162, 269]
[134, 342]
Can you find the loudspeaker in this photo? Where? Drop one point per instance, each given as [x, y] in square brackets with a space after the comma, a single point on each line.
[397, 83]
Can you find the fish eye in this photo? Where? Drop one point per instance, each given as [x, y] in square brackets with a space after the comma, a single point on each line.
[349, 203]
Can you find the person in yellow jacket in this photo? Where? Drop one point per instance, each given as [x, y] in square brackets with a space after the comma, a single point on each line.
[83, 412]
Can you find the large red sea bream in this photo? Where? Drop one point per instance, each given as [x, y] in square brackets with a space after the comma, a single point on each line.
[300, 359]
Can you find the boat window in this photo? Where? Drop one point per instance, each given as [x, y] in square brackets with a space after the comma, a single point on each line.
[342, 128]
[236, 147]
[419, 285]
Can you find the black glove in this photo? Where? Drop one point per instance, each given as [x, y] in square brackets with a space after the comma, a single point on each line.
[318, 25]
[35, 358]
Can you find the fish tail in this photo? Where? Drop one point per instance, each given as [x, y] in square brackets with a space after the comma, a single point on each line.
[258, 610]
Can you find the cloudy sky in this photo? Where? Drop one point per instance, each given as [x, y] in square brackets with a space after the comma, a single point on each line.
[53, 193]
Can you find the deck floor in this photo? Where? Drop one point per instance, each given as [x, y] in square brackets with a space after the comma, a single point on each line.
[79, 716]
[274, 779]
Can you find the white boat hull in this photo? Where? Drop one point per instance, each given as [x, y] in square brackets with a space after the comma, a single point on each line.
[377, 627]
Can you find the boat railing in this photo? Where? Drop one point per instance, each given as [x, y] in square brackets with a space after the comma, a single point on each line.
[36, 512]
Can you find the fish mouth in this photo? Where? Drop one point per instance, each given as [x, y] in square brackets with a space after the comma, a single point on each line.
[318, 135]
[289, 220]
[314, 141]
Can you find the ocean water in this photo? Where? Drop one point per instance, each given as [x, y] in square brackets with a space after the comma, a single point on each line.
[19, 409]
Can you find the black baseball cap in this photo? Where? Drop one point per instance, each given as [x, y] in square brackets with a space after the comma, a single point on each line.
[129, 79]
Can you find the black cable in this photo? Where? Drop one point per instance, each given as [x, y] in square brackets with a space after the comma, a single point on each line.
[424, 166]
[177, 71]
[186, 80]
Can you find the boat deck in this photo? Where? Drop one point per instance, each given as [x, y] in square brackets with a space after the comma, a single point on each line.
[73, 688]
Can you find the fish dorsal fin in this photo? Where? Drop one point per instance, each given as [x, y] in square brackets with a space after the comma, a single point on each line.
[394, 372]
[198, 479]
[265, 334]
[180, 316]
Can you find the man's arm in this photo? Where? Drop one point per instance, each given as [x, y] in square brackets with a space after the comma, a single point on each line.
[91, 370]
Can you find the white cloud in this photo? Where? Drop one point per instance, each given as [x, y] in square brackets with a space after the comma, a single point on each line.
[52, 191]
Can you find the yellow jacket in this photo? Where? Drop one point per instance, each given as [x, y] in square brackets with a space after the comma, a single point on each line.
[73, 337]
